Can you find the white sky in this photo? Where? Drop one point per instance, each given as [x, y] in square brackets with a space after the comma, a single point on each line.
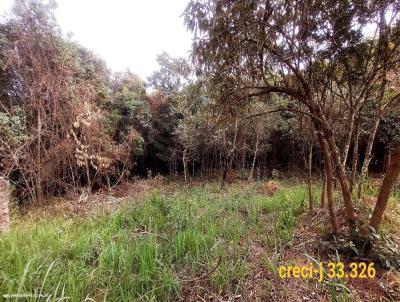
[125, 33]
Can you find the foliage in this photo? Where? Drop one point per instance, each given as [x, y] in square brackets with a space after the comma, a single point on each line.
[12, 126]
[173, 74]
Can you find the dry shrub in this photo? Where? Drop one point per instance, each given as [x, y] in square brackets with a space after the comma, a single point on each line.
[270, 187]
[64, 144]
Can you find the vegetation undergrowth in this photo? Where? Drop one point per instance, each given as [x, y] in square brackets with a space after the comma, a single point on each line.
[150, 249]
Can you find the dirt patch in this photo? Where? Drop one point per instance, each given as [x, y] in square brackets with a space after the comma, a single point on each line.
[89, 204]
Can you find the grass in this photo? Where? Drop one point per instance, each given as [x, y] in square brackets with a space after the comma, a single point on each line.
[149, 250]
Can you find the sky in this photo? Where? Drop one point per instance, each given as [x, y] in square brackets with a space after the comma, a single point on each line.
[125, 33]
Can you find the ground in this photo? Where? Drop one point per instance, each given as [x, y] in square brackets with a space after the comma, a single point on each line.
[157, 240]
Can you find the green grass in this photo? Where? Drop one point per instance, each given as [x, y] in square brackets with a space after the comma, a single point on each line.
[148, 249]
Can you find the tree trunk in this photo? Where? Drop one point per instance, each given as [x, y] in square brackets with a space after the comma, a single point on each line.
[244, 156]
[231, 154]
[224, 174]
[39, 196]
[368, 154]
[383, 51]
[387, 186]
[4, 200]
[329, 178]
[323, 190]
[348, 138]
[324, 125]
[89, 184]
[185, 166]
[308, 164]
[254, 158]
[334, 152]
[354, 162]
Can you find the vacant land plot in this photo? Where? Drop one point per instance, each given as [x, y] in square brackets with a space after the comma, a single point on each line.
[187, 244]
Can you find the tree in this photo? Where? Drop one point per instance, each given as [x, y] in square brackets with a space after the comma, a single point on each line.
[387, 98]
[253, 48]
[173, 74]
[128, 106]
[53, 126]
[38, 67]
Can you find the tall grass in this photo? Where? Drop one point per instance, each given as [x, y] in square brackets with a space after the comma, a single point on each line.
[146, 250]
